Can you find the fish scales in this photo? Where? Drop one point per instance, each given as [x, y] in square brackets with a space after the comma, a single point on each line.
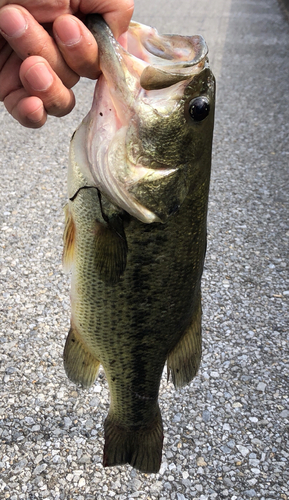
[136, 268]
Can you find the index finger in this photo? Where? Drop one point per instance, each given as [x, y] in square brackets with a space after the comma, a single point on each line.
[45, 11]
[117, 14]
[118, 19]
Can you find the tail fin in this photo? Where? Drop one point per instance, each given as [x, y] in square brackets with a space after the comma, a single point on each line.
[81, 367]
[141, 448]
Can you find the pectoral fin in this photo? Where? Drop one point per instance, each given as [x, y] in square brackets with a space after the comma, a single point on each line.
[184, 361]
[111, 250]
[80, 366]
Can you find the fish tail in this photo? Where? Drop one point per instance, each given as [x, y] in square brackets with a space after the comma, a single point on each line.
[184, 360]
[80, 365]
[141, 448]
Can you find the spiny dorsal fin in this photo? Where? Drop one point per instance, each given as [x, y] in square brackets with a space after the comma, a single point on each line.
[68, 240]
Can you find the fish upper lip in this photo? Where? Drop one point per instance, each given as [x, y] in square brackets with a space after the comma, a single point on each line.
[151, 61]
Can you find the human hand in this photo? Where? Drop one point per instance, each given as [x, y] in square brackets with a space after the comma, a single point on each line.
[37, 70]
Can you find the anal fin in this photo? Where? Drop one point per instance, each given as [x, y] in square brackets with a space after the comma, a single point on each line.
[68, 240]
[80, 365]
[141, 448]
[184, 360]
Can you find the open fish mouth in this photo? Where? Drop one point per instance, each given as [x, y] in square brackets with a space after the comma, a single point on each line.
[157, 61]
[139, 84]
[169, 58]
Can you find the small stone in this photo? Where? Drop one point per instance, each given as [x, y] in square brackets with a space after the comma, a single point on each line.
[180, 496]
[231, 443]
[85, 459]
[39, 469]
[243, 450]
[263, 422]
[254, 461]
[38, 459]
[228, 482]
[67, 422]
[284, 414]
[81, 482]
[136, 484]
[201, 462]
[261, 386]
[89, 424]
[206, 415]
[164, 466]
[20, 465]
[29, 420]
[225, 449]
[250, 493]
[94, 402]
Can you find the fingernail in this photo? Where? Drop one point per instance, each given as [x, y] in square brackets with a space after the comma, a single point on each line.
[12, 23]
[37, 115]
[38, 77]
[70, 33]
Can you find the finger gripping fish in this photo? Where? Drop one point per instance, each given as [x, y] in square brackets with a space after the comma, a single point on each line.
[135, 233]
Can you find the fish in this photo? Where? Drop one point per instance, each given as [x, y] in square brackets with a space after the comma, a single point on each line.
[135, 230]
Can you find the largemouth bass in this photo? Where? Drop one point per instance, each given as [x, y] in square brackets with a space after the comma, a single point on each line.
[135, 234]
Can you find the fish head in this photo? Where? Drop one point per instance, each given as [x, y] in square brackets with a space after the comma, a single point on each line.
[151, 123]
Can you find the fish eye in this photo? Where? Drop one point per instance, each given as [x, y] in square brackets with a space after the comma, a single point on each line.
[199, 108]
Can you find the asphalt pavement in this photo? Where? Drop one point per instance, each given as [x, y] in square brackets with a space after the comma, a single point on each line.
[227, 433]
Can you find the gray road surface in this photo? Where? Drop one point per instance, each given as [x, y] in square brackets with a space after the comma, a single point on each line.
[227, 434]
